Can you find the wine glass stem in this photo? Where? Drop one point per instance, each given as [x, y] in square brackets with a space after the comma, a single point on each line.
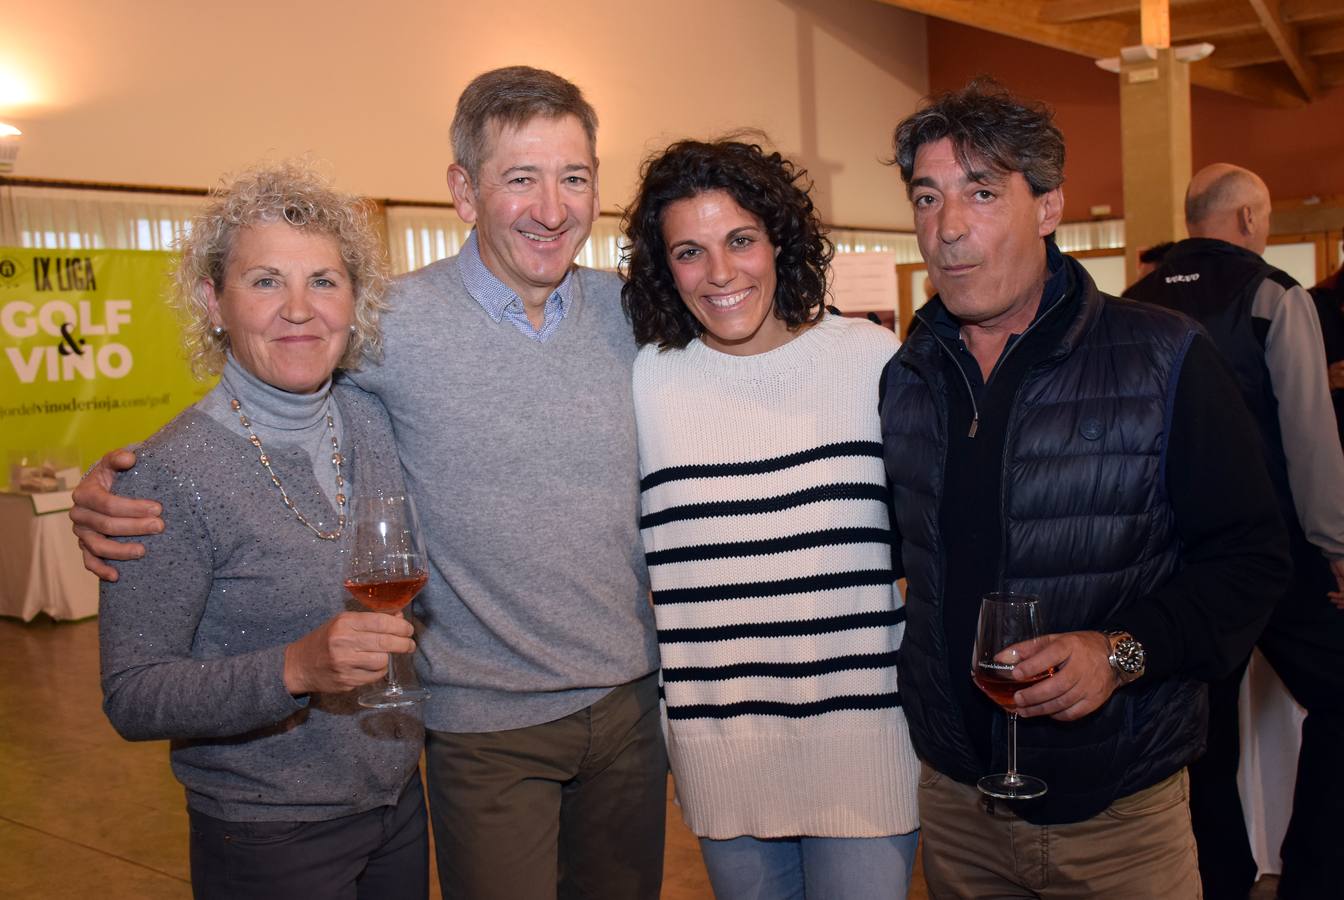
[1012, 748]
[393, 686]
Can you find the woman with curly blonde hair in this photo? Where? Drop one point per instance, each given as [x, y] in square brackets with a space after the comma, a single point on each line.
[231, 636]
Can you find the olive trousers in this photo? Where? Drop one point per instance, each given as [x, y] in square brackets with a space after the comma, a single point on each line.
[573, 808]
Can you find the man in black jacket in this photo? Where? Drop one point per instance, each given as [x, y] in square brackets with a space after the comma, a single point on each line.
[1044, 438]
[1265, 325]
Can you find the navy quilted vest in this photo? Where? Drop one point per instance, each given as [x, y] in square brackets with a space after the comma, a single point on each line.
[1087, 527]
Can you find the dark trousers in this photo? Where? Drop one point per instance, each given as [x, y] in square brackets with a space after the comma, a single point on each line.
[381, 854]
[1304, 642]
[573, 808]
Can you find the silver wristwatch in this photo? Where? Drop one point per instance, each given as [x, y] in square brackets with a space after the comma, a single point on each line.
[1128, 657]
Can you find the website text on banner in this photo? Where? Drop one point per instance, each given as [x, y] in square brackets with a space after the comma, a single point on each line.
[92, 355]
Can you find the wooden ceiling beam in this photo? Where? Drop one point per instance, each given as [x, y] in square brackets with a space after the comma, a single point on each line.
[1065, 11]
[1251, 50]
[1295, 11]
[1285, 36]
[1204, 23]
[1234, 53]
[1323, 40]
[1021, 19]
[1155, 23]
[1098, 39]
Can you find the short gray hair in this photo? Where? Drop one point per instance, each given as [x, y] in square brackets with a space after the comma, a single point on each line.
[988, 125]
[511, 97]
[286, 192]
[1224, 192]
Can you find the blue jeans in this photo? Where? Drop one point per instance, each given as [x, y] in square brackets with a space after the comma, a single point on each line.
[815, 868]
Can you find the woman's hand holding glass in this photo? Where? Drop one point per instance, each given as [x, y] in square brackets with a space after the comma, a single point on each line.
[348, 651]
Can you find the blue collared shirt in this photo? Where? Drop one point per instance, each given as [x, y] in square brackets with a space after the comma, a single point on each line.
[500, 302]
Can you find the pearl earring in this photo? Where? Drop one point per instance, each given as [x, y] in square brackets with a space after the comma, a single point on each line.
[218, 331]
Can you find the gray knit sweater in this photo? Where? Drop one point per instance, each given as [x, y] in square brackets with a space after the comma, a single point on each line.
[193, 634]
[522, 458]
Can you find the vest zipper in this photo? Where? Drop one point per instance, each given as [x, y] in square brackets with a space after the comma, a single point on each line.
[975, 409]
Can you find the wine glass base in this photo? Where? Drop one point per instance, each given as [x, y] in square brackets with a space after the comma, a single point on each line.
[387, 698]
[1011, 787]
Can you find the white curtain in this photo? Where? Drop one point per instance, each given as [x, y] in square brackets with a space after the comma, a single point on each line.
[1104, 234]
[851, 240]
[1100, 235]
[79, 219]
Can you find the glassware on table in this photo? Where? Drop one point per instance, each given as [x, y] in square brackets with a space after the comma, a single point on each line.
[1006, 619]
[387, 567]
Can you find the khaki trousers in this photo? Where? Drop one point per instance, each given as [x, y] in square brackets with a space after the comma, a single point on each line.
[1140, 847]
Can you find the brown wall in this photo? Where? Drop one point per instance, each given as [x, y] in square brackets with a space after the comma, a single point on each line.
[1299, 152]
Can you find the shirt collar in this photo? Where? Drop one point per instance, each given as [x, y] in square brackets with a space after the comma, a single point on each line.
[494, 296]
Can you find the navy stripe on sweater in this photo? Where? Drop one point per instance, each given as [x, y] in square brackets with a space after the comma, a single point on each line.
[881, 619]
[756, 506]
[830, 581]
[830, 537]
[808, 669]
[758, 466]
[786, 710]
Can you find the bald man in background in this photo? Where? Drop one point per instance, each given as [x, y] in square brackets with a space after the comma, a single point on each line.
[1265, 325]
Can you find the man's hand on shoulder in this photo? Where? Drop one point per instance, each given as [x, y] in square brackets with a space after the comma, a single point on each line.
[99, 515]
[1083, 679]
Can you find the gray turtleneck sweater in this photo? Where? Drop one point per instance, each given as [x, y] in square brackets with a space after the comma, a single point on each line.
[280, 418]
[193, 634]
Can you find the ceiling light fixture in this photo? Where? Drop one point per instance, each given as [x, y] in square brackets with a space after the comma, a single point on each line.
[9, 147]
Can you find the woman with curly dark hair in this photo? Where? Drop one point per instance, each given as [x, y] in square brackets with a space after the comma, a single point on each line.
[766, 532]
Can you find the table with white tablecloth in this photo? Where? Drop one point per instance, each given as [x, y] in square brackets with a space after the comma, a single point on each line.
[41, 568]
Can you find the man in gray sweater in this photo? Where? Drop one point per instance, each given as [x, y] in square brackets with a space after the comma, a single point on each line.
[507, 378]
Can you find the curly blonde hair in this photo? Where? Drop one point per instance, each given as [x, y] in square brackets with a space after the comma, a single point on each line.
[292, 192]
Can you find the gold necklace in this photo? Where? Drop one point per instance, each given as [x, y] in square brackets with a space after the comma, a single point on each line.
[336, 460]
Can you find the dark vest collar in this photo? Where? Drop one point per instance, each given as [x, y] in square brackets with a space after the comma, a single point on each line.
[1075, 297]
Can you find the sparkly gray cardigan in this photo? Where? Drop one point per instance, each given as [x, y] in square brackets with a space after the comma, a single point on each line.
[193, 634]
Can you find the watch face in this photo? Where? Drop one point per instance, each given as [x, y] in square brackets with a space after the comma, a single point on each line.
[1129, 655]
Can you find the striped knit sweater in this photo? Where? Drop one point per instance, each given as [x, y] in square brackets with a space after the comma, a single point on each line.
[766, 532]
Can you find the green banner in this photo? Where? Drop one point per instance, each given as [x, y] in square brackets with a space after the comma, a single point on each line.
[93, 359]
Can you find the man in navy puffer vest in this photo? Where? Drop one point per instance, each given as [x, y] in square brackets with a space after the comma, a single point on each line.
[1042, 437]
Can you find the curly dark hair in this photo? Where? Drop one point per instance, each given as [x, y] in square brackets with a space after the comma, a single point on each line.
[764, 184]
[987, 126]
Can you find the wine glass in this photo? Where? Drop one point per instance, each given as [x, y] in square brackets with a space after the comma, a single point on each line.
[386, 568]
[1006, 619]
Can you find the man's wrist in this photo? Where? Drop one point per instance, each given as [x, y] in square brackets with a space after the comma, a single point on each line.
[1128, 658]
